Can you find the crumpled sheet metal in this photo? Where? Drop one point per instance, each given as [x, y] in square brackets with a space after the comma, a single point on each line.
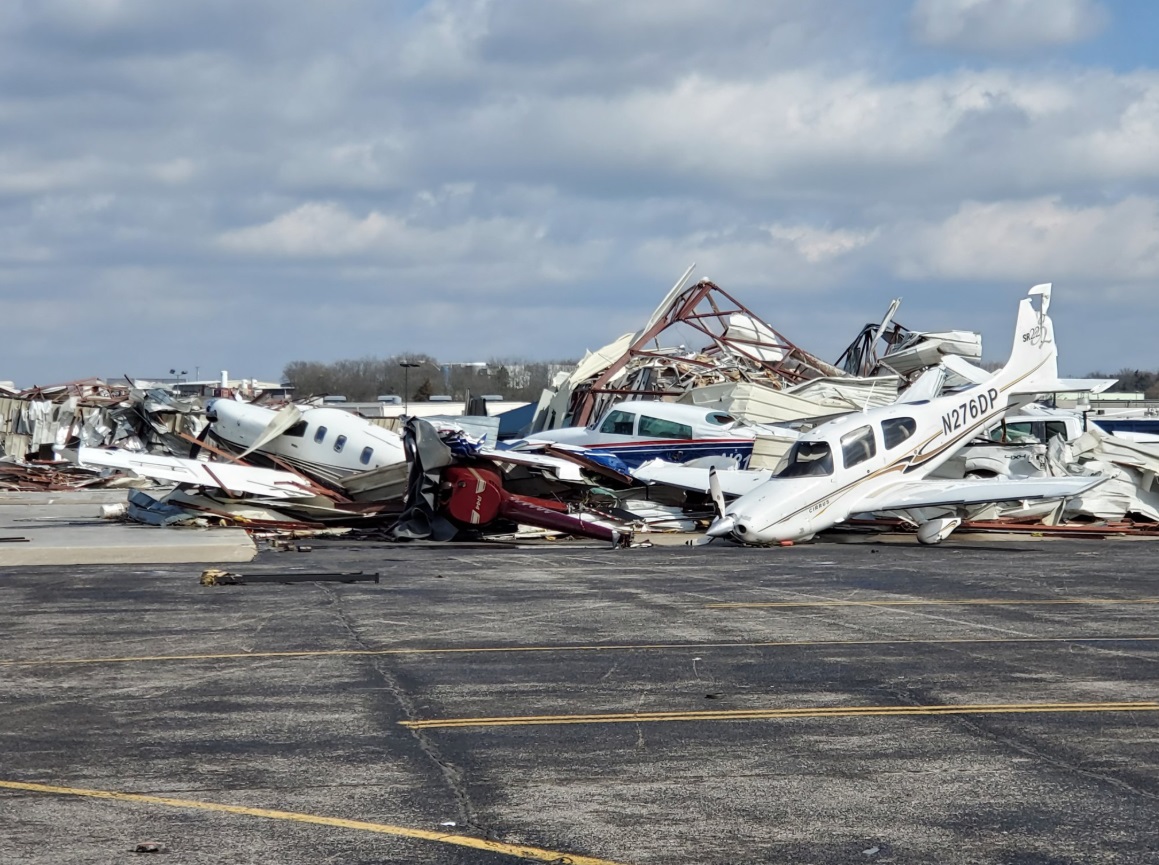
[98, 415]
[736, 346]
[143, 508]
[1130, 467]
[427, 455]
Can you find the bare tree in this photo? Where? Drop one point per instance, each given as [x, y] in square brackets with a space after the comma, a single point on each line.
[360, 380]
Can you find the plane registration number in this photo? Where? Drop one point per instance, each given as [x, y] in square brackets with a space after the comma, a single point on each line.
[971, 409]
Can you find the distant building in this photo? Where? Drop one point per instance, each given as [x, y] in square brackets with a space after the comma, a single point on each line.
[248, 388]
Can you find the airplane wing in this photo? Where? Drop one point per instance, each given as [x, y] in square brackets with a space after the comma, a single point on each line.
[733, 482]
[270, 483]
[942, 493]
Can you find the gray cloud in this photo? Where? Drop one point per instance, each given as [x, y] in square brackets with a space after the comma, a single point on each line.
[241, 185]
[1005, 26]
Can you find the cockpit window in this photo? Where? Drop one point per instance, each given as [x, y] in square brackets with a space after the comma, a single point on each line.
[858, 446]
[297, 430]
[720, 418]
[895, 430]
[808, 459]
[619, 423]
[654, 427]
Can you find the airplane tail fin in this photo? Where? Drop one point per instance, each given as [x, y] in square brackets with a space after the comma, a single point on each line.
[1033, 364]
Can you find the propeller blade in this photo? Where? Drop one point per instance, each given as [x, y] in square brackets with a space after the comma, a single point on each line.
[201, 437]
[714, 489]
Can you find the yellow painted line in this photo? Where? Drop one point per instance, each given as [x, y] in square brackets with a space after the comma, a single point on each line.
[968, 602]
[790, 713]
[618, 647]
[517, 850]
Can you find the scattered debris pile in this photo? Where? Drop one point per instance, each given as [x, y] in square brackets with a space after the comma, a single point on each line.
[456, 487]
[35, 421]
[743, 366]
[37, 477]
[891, 348]
[302, 470]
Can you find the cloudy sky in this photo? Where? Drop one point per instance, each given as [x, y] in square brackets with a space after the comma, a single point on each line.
[211, 184]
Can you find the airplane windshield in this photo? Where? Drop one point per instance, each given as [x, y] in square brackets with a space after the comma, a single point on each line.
[619, 423]
[808, 459]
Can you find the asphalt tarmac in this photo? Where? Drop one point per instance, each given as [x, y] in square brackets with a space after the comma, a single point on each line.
[826, 703]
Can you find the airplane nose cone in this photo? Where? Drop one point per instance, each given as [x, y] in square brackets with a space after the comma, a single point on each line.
[721, 526]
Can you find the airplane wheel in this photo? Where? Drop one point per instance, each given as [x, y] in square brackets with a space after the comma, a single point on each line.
[935, 531]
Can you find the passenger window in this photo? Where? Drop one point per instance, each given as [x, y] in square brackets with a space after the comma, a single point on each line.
[297, 430]
[858, 446]
[365, 458]
[339, 443]
[654, 427]
[319, 435]
[720, 419]
[808, 459]
[618, 423]
[895, 430]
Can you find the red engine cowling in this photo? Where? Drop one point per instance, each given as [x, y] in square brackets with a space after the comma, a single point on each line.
[474, 496]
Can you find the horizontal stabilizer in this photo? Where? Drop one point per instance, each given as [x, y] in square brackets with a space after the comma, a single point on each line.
[1078, 385]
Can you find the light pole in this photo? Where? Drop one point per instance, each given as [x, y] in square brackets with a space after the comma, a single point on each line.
[407, 366]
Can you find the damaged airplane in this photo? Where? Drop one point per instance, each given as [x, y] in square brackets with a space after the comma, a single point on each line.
[878, 460]
[326, 443]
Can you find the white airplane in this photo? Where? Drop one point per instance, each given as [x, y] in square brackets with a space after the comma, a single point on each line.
[637, 431]
[878, 460]
[328, 443]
